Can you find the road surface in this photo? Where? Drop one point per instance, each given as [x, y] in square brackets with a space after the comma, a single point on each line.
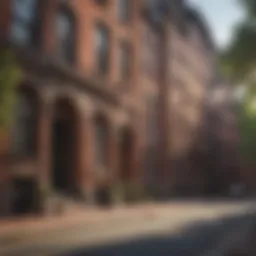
[181, 229]
[195, 240]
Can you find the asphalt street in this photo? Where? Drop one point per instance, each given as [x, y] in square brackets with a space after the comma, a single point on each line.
[178, 229]
[200, 238]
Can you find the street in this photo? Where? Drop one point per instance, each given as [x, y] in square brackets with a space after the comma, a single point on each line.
[169, 229]
[196, 239]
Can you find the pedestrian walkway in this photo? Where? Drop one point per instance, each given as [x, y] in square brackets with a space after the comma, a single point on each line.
[96, 226]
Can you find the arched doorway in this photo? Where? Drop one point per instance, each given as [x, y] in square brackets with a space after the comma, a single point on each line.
[126, 154]
[64, 147]
[24, 134]
[25, 126]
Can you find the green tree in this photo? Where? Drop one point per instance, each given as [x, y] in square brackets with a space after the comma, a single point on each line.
[240, 57]
[250, 8]
[239, 62]
[9, 78]
[248, 123]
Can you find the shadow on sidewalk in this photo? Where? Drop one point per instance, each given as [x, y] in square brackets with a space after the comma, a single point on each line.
[194, 240]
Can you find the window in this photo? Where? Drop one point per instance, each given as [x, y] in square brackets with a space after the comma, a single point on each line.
[102, 49]
[124, 10]
[151, 53]
[65, 34]
[158, 9]
[23, 28]
[125, 61]
[25, 127]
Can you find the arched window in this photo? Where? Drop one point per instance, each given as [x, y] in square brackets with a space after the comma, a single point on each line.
[24, 29]
[25, 126]
[65, 34]
[102, 48]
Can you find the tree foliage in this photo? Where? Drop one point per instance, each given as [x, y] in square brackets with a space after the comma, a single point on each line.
[9, 78]
[248, 123]
[239, 62]
[250, 8]
[240, 57]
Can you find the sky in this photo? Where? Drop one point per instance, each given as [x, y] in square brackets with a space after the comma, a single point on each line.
[221, 16]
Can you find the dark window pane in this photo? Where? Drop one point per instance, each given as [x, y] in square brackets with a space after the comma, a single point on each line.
[151, 53]
[23, 23]
[125, 61]
[25, 127]
[124, 10]
[65, 34]
[20, 34]
[102, 49]
[24, 9]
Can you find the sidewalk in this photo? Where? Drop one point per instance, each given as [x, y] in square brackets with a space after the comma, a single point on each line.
[91, 215]
[99, 225]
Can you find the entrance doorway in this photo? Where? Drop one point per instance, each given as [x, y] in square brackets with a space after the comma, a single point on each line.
[126, 149]
[24, 196]
[64, 147]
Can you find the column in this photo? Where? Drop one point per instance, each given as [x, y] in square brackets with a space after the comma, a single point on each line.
[44, 144]
[85, 178]
[136, 154]
[113, 156]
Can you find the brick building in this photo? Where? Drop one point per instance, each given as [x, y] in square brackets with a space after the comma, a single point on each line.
[222, 137]
[186, 57]
[96, 103]
[192, 65]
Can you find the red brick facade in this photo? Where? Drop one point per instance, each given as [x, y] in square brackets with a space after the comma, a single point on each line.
[192, 62]
[79, 97]
[222, 134]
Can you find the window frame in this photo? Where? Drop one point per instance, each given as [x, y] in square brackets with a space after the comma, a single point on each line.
[67, 50]
[125, 52]
[124, 15]
[25, 126]
[30, 25]
[102, 54]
